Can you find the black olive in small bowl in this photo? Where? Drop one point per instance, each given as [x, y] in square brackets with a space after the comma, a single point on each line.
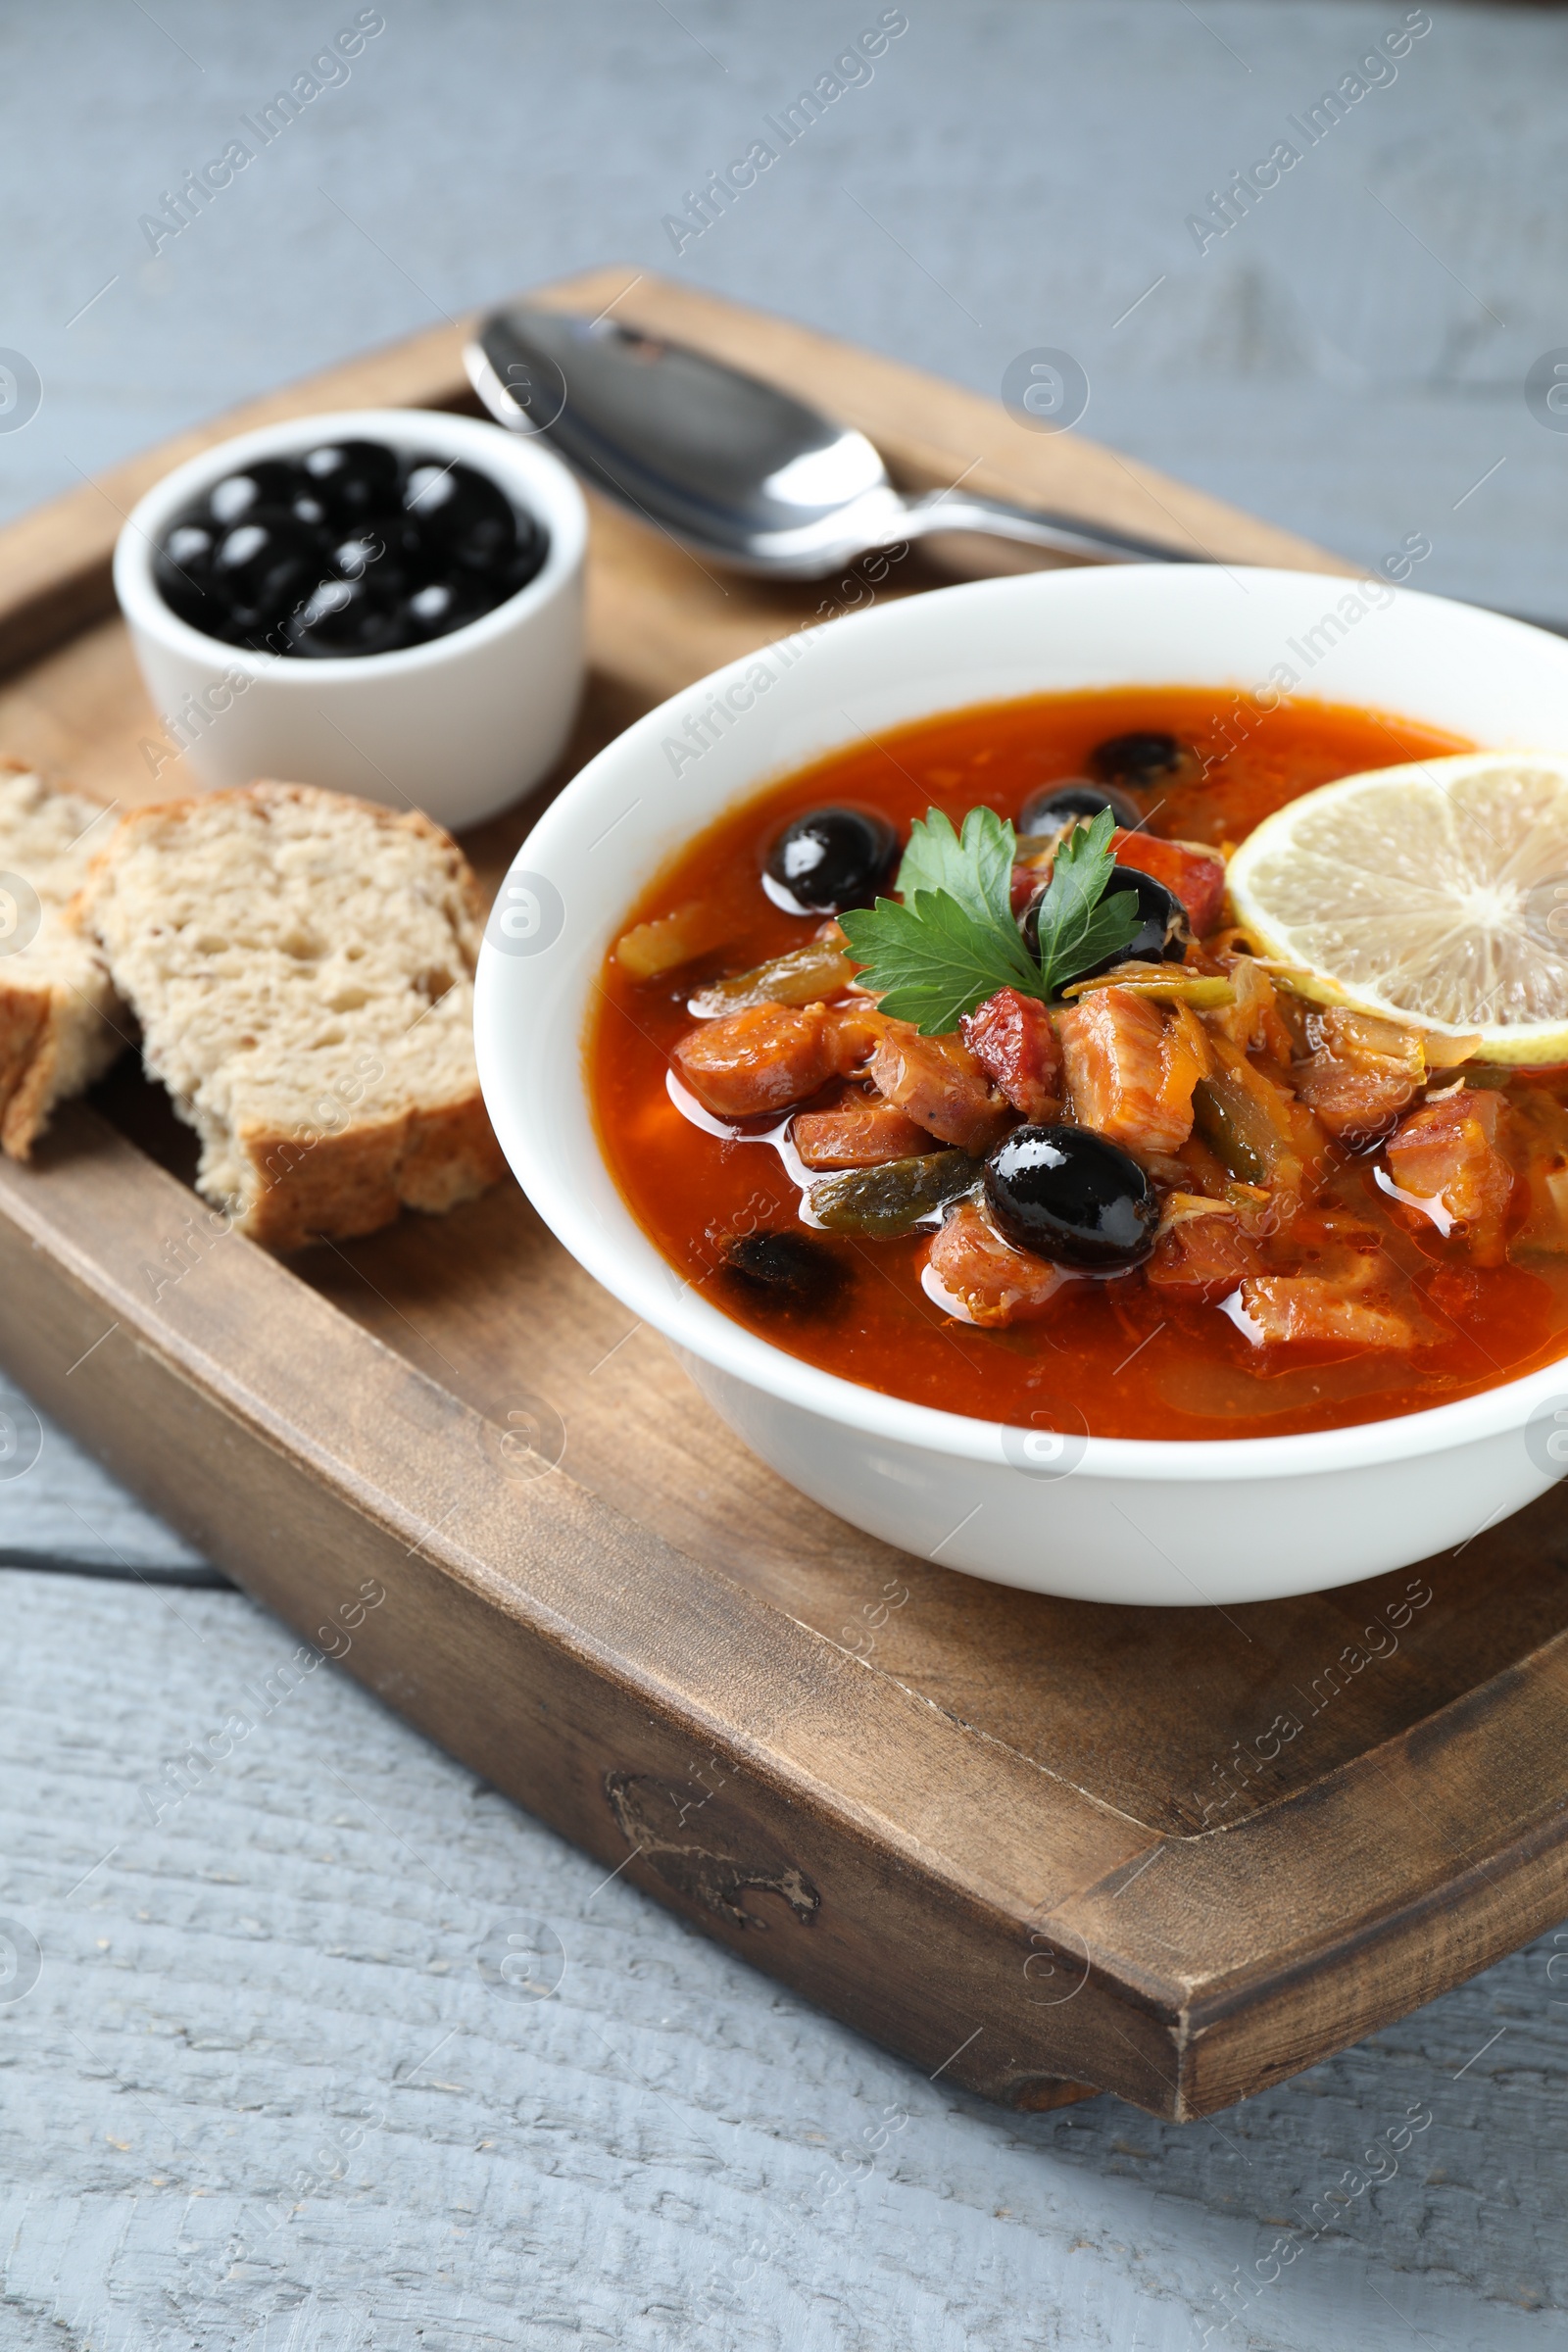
[339, 617]
[183, 572]
[1071, 1196]
[428, 543]
[1162, 934]
[270, 482]
[352, 481]
[460, 522]
[313, 629]
[1059, 803]
[1143, 758]
[830, 859]
[260, 568]
[436, 610]
[365, 551]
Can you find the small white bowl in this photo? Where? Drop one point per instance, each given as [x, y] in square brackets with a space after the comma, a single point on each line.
[1113, 1519]
[458, 727]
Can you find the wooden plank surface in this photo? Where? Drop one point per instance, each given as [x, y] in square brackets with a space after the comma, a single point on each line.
[657, 616]
[928, 1836]
[268, 2094]
[651, 2159]
[55, 577]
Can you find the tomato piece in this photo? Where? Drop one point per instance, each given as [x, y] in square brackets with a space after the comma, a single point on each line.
[1190, 872]
[1013, 1038]
[1027, 878]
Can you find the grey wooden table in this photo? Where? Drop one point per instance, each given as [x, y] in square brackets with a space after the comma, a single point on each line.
[270, 2074]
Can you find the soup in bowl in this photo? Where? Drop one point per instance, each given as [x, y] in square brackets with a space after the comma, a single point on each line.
[902, 1022]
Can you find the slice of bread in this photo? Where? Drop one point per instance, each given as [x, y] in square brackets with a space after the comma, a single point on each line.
[302, 966]
[58, 1012]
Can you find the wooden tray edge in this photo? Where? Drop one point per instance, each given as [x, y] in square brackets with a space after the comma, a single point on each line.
[54, 560]
[337, 1432]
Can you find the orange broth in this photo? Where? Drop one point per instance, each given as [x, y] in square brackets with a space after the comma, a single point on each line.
[1117, 1356]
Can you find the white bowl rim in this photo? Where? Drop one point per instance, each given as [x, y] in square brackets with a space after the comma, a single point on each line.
[645, 1281]
[539, 480]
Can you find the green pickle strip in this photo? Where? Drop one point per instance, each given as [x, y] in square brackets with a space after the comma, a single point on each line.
[891, 1198]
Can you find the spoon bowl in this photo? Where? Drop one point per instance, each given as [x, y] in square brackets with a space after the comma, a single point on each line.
[733, 467]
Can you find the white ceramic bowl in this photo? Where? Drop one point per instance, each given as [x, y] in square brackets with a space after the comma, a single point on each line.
[1110, 1518]
[458, 727]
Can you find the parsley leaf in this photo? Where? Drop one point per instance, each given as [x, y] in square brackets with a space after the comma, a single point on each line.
[933, 962]
[974, 866]
[1078, 924]
[954, 942]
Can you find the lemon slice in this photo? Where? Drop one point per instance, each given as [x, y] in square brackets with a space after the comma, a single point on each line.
[1434, 894]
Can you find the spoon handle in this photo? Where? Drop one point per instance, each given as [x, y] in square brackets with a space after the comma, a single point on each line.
[1064, 534]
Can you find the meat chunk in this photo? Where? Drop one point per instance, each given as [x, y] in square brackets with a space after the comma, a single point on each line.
[856, 1029]
[760, 1059]
[939, 1083]
[1361, 1073]
[1447, 1155]
[1201, 1249]
[1190, 872]
[1131, 1068]
[971, 1273]
[1277, 1310]
[1013, 1038]
[857, 1135]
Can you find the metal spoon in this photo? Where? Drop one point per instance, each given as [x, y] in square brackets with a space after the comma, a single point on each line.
[730, 465]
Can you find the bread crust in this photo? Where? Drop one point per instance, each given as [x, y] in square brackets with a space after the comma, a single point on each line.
[355, 1182]
[37, 1016]
[304, 1184]
[27, 1057]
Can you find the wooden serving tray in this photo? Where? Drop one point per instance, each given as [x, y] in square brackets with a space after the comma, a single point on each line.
[1040, 1846]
